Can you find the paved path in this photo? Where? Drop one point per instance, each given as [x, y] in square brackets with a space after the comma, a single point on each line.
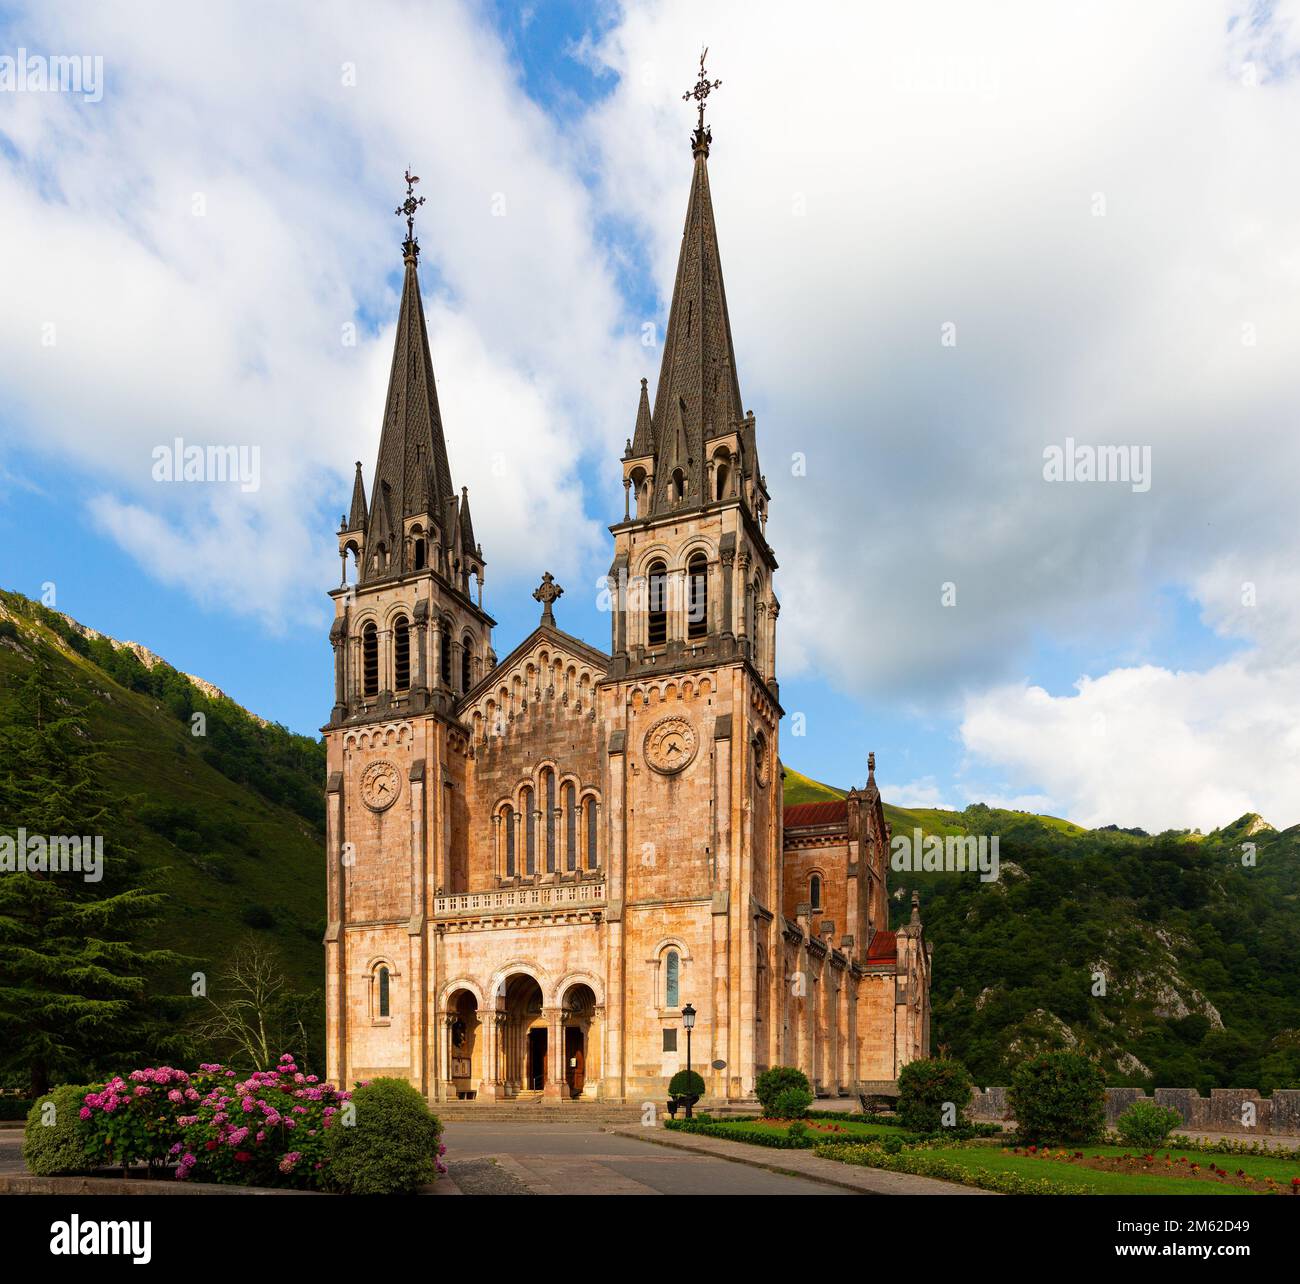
[852, 1178]
[581, 1159]
[11, 1151]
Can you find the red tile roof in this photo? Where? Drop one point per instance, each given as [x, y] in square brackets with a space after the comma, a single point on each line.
[883, 947]
[816, 813]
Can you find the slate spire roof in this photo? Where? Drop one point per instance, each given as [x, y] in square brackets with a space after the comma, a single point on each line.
[698, 394]
[412, 461]
[643, 441]
[412, 474]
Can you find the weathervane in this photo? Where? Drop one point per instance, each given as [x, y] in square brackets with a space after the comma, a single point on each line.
[410, 246]
[701, 90]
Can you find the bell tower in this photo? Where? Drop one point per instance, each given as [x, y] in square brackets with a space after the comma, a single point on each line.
[691, 693]
[410, 639]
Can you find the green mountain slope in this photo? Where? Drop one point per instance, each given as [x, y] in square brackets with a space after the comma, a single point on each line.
[1171, 957]
[231, 821]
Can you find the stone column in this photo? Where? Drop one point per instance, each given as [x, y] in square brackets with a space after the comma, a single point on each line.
[447, 1052]
[555, 1067]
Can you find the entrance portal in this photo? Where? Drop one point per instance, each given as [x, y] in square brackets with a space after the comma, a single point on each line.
[537, 1059]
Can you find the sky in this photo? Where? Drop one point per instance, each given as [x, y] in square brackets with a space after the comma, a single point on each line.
[960, 242]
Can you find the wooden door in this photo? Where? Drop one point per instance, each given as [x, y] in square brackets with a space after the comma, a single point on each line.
[575, 1060]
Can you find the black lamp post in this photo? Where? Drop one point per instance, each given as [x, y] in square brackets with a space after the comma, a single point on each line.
[688, 1020]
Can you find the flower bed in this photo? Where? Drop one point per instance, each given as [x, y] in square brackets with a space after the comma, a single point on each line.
[269, 1128]
[1172, 1164]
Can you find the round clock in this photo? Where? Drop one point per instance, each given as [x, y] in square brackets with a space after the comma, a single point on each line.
[381, 783]
[670, 744]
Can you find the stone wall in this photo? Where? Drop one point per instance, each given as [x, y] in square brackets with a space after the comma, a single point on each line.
[1234, 1110]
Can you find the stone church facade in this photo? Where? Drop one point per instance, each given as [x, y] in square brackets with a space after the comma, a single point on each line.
[535, 863]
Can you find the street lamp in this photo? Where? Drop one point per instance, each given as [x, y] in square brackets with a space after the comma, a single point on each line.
[688, 1020]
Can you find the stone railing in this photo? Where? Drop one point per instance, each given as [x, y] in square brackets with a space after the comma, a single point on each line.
[522, 900]
[1224, 1110]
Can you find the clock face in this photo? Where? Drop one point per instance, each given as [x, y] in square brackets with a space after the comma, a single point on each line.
[381, 783]
[670, 744]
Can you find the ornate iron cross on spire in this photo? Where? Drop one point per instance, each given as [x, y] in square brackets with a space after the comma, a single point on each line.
[700, 91]
[546, 593]
[410, 246]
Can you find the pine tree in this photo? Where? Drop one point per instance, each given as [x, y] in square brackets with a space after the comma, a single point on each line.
[74, 977]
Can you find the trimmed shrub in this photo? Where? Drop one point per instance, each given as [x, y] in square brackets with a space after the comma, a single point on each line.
[775, 1081]
[1057, 1098]
[391, 1149]
[1144, 1125]
[686, 1083]
[926, 1087]
[59, 1145]
[791, 1103]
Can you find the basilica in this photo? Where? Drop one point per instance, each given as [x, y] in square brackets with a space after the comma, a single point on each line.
[537, 864]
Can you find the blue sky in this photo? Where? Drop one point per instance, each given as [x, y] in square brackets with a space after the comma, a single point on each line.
[1100, 659]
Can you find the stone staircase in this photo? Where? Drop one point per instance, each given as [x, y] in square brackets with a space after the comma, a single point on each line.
[538, 1110]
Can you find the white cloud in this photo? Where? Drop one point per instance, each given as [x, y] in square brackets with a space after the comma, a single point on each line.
[879, 171]
[225, 325]
[1150, 747]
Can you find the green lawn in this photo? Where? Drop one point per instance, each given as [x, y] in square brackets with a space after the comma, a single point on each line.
[1072, 1177]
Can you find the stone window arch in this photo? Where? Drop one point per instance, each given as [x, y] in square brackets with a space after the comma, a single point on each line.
[697, 598]
[530, 830]
[466, 663]
[657, 604]
[370, 660]
[672, 979]
[401, 654]
[381, 978]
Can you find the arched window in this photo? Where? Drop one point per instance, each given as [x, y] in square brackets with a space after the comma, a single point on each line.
[721, 473]
[530, 832]
[383, 1004]
[420, 555]
[401, 655]
[550, 821]
[815, 891]
[592, 858]
[466, 662]
[370, 660]
[657, 605]
[570, 828]
[672, 979]
[679, 484]
[697, 618]
[444, 664]
[508, 820]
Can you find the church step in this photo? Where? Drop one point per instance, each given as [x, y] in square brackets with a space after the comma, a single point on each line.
[536, 1111]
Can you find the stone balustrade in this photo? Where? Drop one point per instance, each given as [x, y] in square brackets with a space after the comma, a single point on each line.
[522, 900]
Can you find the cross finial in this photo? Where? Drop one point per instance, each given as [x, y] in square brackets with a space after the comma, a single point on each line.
[546, 593]
[702, 88]
[410, 246]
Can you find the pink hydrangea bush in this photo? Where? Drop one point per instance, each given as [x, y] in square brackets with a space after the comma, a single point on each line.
[267, 1129]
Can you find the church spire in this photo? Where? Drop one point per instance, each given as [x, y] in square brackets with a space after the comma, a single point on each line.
[643, 441]
[698, 396]
[357, 513]
[412, 475]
